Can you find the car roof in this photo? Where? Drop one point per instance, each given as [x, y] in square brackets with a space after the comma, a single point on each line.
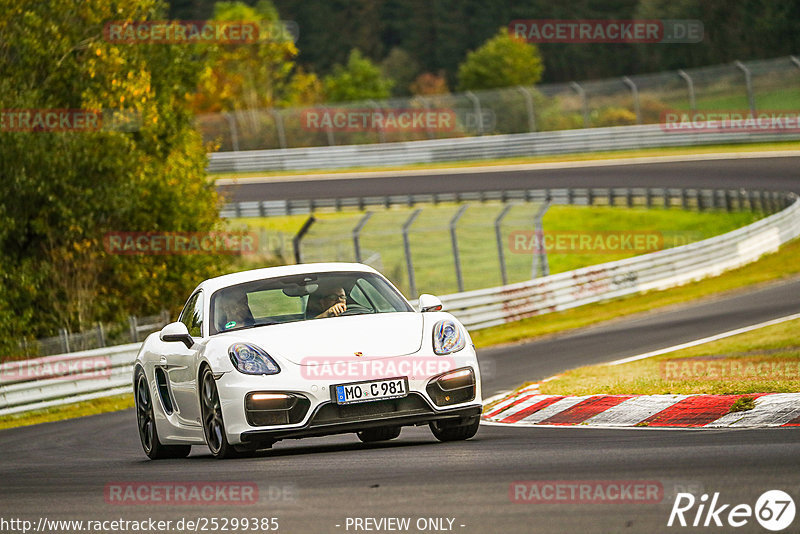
[213, 284]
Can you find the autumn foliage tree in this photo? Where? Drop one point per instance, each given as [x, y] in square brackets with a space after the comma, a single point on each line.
[62, 191]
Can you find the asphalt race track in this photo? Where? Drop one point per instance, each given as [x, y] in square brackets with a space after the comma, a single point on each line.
[63, 470]
[778, 174]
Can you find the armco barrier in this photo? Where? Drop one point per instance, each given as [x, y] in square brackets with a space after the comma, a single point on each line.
[658, 270]
[476, 309]
[478, 148]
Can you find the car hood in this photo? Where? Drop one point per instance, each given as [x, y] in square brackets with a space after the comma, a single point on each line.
[311, 342]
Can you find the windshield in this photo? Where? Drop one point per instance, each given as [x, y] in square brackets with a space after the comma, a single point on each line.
[302, 297]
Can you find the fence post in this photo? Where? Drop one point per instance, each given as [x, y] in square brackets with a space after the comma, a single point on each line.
[498, 233]
[648, 195]
[667, 198]
[476, 104]
[412, 284]
[234, 136]
[629, 197]
[584, 104]
[795, 60]
[134, 326]
[635, 92]
[329, 132]
[690, 85]
[64, 335]
[529, 107]
[381, 133]
[278, 118]
[454, 241]
[684, 199]
[542, 265]
[357, 234]
[749, 84]
[298, 258]
[101, 335]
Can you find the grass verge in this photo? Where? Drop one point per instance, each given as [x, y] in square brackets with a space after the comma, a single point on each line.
[780, 265]
[766, 360]
[648, 152]
[68, 411]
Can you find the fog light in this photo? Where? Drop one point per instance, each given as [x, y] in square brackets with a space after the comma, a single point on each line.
[453, 387]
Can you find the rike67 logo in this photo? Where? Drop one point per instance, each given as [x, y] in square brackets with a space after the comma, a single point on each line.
[774, 510]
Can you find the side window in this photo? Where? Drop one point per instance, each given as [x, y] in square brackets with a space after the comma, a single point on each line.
[370, 292]
[192, 315]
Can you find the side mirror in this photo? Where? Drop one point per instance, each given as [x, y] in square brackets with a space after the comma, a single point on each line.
[428, 303]
[176, 332]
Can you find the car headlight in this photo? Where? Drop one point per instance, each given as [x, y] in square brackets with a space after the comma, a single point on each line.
[252, 360]
[447, 337]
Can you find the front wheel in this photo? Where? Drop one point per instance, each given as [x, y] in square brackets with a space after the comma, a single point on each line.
[449, 431]
[145, 418]
[213, 425]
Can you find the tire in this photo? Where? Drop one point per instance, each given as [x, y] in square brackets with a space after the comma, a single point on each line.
[146, 422]
[213, 425]
[447, 431]
[371, 435]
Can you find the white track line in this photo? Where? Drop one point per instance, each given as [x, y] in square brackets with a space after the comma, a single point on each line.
[705, 339]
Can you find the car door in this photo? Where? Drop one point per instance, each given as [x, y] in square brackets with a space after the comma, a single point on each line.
[180, 364]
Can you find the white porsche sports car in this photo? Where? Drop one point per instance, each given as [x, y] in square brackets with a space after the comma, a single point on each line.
[299, 351]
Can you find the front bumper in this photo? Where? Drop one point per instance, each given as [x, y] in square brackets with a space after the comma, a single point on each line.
[330, 418]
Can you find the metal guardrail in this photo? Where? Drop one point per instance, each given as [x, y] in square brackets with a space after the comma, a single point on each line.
[102, 372]
[658, 270]
[628, 196]
[480, 148]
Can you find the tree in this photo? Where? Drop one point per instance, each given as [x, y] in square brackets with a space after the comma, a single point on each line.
[360, 79]
[257, 75]
[428, 83]
[502, 61]
[401, 68]
[61, 192]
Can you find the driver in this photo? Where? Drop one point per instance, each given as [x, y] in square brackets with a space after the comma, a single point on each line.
[234, 311]
[331, 302]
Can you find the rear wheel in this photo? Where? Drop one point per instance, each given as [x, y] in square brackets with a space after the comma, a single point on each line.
[213, 425]
[145, 418]
[455, 431]
[379, 434]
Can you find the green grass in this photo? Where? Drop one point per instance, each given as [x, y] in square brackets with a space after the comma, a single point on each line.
[330, 239]
[766, 360]
[68, 411]
[611, 154]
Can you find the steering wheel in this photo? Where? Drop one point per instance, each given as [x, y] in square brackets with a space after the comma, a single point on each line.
[355, 309]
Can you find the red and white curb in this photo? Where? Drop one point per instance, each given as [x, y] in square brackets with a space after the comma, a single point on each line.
[527, 407]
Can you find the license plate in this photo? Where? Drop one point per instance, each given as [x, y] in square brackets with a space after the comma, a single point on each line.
[392, 388]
